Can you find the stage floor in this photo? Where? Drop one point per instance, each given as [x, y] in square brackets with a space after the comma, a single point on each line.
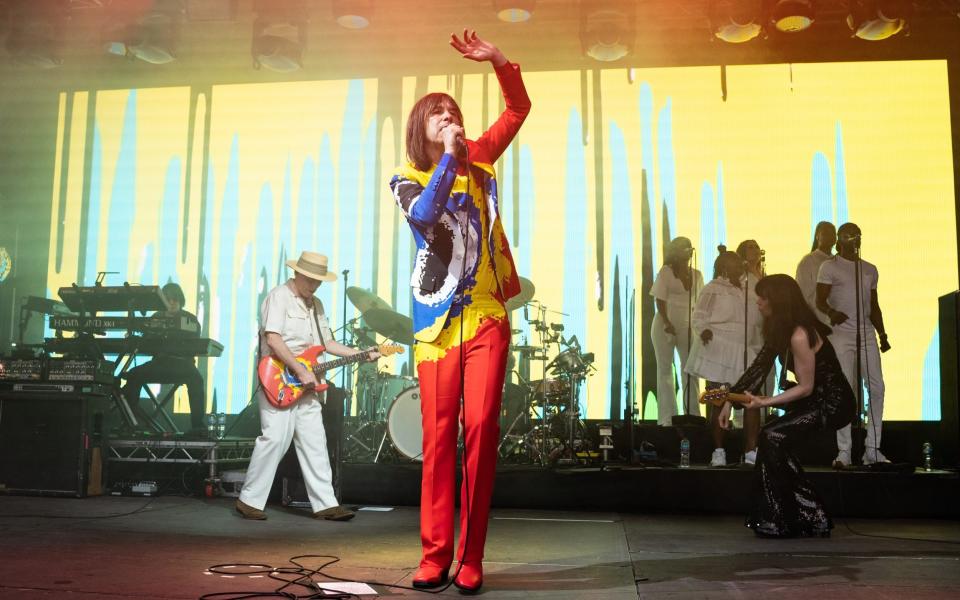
[122, 547]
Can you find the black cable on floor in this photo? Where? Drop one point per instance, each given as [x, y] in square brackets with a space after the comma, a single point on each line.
[303, 578]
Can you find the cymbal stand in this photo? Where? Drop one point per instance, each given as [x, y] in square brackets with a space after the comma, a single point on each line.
[540, 326]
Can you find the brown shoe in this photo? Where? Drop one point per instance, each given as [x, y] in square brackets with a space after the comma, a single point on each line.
[334, 513]
[249, 512]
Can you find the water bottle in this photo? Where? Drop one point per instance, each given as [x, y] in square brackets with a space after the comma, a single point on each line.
[221, 424]
[927, 456]
[212, 426]
[684, 453]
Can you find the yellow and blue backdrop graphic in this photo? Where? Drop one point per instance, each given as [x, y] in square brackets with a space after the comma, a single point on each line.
[214, 188]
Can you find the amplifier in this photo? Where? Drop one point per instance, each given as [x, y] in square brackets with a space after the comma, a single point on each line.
[72, 370]
[21, 369]
[52, 443]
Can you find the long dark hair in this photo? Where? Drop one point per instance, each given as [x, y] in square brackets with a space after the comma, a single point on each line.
[816, 232]
[417, 143]
[788, 310]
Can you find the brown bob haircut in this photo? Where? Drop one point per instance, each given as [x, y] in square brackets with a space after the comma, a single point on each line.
[417, 143]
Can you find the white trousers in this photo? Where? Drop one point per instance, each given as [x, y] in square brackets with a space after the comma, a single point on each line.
[845, 345]
[303, 424]
[664, 345]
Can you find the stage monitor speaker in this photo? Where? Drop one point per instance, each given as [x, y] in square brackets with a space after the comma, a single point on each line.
[52, 443]
[949, 367]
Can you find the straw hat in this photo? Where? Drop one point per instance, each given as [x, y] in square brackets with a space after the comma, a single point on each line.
[312, 265]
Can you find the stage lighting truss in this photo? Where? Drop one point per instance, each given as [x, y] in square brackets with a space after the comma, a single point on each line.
[736, 21]
[150, 36]
[607, 29]
[791, 16]
[875, 20]
[279, 35]
[514, 11]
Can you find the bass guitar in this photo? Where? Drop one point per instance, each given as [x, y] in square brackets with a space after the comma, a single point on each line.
[719, 396]
[283, 388]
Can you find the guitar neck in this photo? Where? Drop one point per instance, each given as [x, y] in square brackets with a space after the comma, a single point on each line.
[320, 368]
[737, 398]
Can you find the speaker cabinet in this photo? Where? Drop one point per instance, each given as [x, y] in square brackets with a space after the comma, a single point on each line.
[51, 443]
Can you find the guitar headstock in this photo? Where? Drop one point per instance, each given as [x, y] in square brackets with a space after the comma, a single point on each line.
[716, 397]
[389, 349]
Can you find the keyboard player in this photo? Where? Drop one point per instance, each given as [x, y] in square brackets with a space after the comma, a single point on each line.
[171, 368]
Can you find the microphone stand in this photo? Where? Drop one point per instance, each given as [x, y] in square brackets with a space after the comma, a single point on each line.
[343, 340]
[347, 396]
[686, 387]
[857, 276]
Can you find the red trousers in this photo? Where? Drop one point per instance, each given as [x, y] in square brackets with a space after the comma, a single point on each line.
[483, 358]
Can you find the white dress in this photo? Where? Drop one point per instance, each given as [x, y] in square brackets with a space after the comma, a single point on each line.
[668, 288]
[721, 310]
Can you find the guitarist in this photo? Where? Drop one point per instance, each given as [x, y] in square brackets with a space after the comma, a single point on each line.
[292, 320]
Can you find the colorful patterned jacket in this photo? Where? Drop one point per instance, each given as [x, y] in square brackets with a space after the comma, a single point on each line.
[436, 203]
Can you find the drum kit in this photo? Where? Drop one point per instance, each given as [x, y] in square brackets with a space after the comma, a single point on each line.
[541, 421]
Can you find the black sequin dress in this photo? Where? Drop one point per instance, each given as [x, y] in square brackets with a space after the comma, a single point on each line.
[785, 504]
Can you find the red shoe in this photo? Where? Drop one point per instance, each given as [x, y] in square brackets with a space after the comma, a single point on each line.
[470, 578]
[429, 576]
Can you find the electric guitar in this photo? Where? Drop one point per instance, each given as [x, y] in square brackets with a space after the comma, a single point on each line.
[283, 388]
[719, 396]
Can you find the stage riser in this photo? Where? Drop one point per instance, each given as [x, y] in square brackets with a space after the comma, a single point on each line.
[696, 490]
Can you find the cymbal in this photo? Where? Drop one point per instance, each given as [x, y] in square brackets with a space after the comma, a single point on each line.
[527, 290]
[365, 300]
[390, 324]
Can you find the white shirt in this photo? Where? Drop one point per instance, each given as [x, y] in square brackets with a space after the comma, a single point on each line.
[839, 274]
[285, 313]
[669, 288]
[720, 309]
[754, 318]
[807, 272]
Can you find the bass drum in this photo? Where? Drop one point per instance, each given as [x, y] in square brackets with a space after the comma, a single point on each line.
[404, 424]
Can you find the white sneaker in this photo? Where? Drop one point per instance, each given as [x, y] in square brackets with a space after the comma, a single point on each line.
[719, 458]
[750, 458]
[873, 455]
[842, 460]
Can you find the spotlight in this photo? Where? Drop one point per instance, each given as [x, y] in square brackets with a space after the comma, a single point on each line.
[791, 16]
[607, 29]
[735, 21]
[353, 14]
[514, 11]
[279, 35]
[35, 33]
[875, 20]
[145, 30]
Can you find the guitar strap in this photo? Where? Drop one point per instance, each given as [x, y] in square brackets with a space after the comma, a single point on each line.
[316, 321]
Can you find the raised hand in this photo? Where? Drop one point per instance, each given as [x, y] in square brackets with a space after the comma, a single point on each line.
[475, 48]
